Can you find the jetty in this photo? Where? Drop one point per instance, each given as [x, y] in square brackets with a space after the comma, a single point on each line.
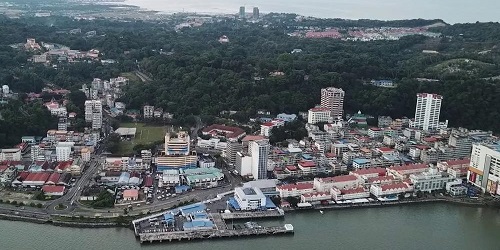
[213, 234]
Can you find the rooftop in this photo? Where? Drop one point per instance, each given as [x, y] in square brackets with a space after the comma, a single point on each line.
[340, 178]
[394, 186]
[366, 171]
[297, 186]
[409, 167]
[230, 132]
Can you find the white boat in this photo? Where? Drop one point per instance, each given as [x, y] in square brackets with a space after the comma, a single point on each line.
[321, 211]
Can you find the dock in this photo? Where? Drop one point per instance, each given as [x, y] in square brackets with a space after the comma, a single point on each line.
[213, 234]
[253, 214]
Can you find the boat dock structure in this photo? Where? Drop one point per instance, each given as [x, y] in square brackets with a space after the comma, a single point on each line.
[213, 234]
[193, 222]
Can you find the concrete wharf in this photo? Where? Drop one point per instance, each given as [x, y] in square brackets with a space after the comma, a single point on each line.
[213, 234]
[253, 214]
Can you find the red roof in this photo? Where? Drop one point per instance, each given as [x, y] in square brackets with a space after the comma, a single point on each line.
[298, 186]
[291, 168]
[430, 139]
[330, 155]
[319, 109]
[367, 171]
[408, 167]
[385, 149]
[64, 165]
[375, 129]
[316, 194]
[458, 162]
[230, 132]
[353, 191]
[23, 175]
[3, 167]
[130, 193]
[253, 138]
[268, 124]
[394, 186]
[54, 178]
[380, 179]
[38, 177]
[422, 147]
[307, 164]
[148, 181]
[53, 189]
[340, 178]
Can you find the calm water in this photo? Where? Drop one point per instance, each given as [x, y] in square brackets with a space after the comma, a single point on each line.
[431, 226]
[452, 11]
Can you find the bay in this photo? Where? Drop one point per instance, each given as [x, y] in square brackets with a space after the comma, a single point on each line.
[451, 11]
[426, 226]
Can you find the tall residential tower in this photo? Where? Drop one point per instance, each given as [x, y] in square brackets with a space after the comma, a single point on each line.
[427, 111]
[333, 99]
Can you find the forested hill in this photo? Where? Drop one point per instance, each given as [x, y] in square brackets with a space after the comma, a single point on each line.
[193, 73]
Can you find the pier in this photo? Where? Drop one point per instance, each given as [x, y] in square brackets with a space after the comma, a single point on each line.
[253, 214]
[213, 234]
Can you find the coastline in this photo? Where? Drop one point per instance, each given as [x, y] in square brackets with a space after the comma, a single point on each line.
[107, 224]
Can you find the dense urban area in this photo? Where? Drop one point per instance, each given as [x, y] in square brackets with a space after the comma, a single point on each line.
[174, 125]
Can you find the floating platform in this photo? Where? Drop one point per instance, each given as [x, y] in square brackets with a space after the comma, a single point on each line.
[213, 234]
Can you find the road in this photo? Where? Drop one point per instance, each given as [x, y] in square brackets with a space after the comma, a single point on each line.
[142, 76]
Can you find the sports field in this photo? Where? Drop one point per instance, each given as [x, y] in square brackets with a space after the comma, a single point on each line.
[145, 134]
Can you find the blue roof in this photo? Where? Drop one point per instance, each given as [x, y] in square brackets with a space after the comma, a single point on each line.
[198, 224]
[269, 203]
[232, 201]
[201, 215]
[181, 188]
[168, 217]
[307, 156]
[361, 161]
[194, 208]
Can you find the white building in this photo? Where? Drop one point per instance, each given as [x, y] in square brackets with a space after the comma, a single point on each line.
[250, 198]
[171, 177]
[148, 111]
[389, 189]
[427, 111]
[243, 164]
[93, 113]
[349, 194]
[86, 153]
[319, 114]
[36, 152]
[63, 151]
[333, 99]
[10, 154]
[295, 190]
[484, 170]
[430, 180]
[340, 182]
[260, 154]
[265, 129]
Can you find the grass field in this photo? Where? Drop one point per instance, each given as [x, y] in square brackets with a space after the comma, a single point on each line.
[145, 134]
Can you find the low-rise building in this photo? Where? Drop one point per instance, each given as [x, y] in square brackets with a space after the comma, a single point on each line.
[50, 190]
[131, 195]
[10, 154]
[295, 190]
[349, 194]
[315, 197]
[430, 180]
[404, 171]
[249, 198]
[390, 189]
[340, 182]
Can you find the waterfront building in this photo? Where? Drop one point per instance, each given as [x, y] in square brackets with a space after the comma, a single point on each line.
[484, 170]
[260, 153]
[295, 190]
[367, 173]
[404, 171]
[430, 180]
[315, 197]
[250, 198]
[340, 182]
[318, 114]
[382, 190]
[349, 194]
[333, 99]
[268, 186]
[427, 111]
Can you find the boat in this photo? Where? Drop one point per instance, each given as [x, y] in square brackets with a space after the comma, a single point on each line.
[321, 211]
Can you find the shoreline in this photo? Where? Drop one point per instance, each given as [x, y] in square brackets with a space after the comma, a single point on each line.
[83, 224]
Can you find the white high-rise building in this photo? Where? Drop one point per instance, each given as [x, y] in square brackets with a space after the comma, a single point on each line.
[316, 115]
[484, 170]
[93, 113]
[63, 151]
[148, 111]
[333, 99]
[260, 154]
[427, 111]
